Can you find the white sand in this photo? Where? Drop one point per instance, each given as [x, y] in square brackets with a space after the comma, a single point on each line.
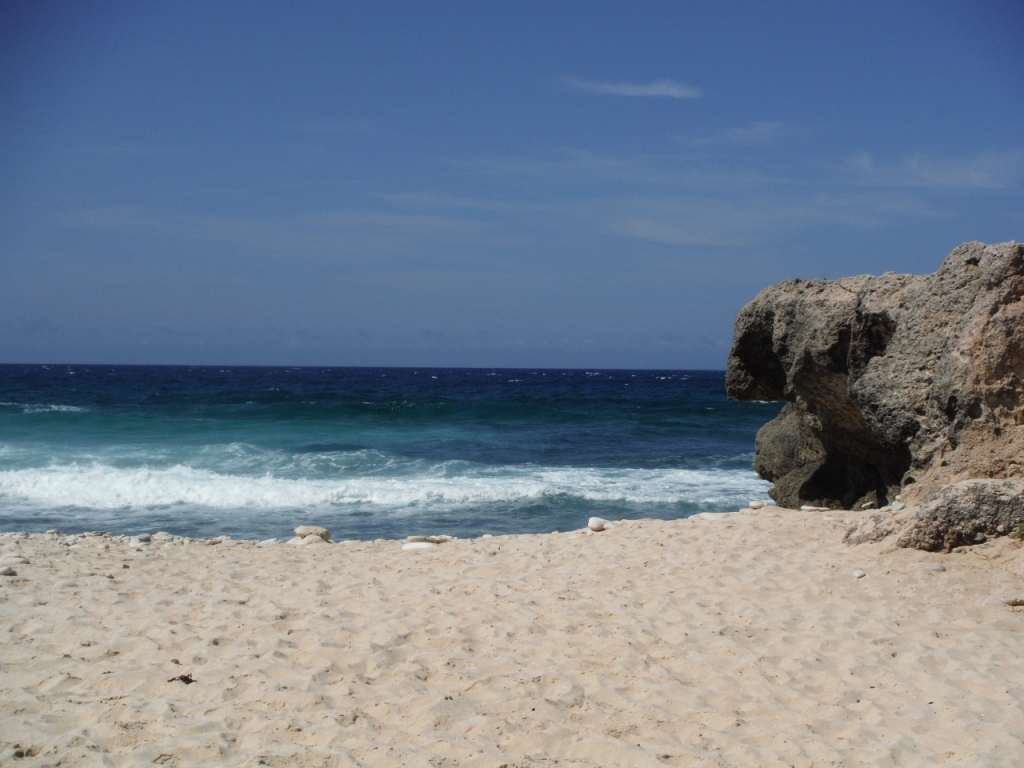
[738, 640]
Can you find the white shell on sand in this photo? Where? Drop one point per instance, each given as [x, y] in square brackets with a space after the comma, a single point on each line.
[430, 539]
[859, 574]
[313, 530]
[755, 504]
[418, 545]
[599, 524]
[810, 508]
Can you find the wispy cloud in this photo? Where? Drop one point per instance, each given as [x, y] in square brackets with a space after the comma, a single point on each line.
[985, 170]
[664, 88]
[333, 126]
[129, 150]
[760, 134]
[354, 232]
[746, 221]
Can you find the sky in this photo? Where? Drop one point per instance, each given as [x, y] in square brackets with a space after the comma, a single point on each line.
[518, 184]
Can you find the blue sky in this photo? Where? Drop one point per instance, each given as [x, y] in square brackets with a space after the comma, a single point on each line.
[481, 184]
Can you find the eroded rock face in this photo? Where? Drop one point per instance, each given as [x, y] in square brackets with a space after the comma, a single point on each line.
[897, 384]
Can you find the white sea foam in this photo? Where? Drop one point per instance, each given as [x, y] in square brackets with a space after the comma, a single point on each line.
[45, 408]
[104, 487]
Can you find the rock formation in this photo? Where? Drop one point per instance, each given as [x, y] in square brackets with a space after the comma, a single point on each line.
[895, 385]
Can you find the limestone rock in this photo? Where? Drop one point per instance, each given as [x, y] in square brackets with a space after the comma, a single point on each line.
[313, 530]
[968, 512]
[896, 385]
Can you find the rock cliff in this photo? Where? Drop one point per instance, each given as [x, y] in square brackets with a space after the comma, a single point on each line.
[895, 385]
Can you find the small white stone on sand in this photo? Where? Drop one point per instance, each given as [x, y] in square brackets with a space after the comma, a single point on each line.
[8, 571]
[599, 524]
[811, 508]
[418, 545]
[161, 536]
[144, 537]
[487, 536]
[755, 504]
[430, 539]
[267, 542]
[859, 574]
[313, 530]
[935, 567]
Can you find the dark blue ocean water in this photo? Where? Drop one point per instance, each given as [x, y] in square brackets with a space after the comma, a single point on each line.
[367, 452]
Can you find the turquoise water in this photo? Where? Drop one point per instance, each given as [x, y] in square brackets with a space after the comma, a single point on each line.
[367, 452]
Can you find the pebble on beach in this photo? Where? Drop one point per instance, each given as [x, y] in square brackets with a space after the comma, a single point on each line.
[859, 574]
[418, 545]
[430, 539]
[755, 504]
[599, 524]
[304, 531]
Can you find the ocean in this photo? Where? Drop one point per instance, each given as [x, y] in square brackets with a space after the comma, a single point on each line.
[367, 452]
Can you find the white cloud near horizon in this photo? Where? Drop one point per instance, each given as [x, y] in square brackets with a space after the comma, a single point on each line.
[663, 88]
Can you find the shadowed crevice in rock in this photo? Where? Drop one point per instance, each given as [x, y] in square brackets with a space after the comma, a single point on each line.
[896, 384]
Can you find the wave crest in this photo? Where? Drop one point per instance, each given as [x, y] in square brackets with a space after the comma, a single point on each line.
[103, 487]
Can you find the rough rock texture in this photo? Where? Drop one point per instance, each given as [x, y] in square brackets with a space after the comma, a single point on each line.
[897, 384]
[968, 512]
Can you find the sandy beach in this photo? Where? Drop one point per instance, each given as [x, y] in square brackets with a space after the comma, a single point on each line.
[735, 639]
